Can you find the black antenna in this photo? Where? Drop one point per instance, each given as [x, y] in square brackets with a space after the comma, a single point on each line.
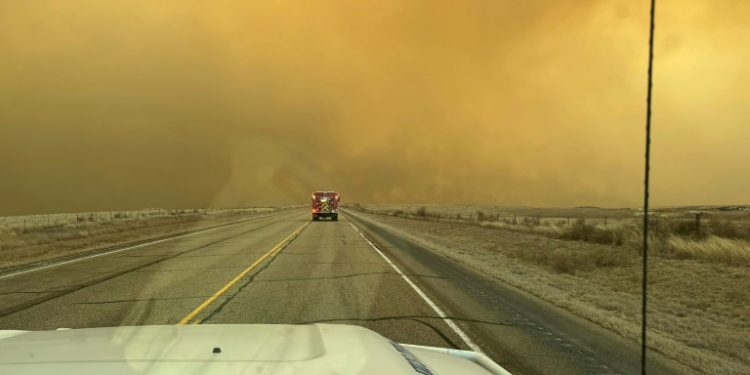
[644, 285]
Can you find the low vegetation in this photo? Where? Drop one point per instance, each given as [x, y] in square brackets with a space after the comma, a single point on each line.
[720, 240]
[699, 284]
[29, 239]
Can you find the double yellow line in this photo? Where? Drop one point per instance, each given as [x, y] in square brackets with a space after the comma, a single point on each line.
[271, 253]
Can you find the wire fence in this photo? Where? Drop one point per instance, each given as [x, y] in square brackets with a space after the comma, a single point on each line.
[733, 223]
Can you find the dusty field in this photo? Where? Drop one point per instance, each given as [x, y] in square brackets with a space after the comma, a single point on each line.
[35, 238]
[699, 303]
[703, 233]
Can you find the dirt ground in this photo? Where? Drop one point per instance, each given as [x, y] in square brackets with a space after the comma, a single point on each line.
[699, 311]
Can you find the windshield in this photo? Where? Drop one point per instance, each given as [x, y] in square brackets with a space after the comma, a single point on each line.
[449, 174]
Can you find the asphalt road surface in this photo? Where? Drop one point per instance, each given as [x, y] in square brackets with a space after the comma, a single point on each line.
[286, 269]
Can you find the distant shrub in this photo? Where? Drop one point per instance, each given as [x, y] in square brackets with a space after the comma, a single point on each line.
[689, 229]
[421, 212]
[481, 216]
[728, 229]
[531, 221]
[583, 231]
[663, 228]
[579, 231]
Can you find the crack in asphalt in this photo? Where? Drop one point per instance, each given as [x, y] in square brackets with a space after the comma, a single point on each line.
[250, 279]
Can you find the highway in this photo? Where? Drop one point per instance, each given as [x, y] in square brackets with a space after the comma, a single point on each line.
[283, 268]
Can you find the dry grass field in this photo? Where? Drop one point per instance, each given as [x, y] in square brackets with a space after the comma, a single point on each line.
[699, 301]
[35, 238]
[705, 233]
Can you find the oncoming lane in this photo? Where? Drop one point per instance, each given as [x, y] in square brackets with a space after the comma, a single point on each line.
[155, 284]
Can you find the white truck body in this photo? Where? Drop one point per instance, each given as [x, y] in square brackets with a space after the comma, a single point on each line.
[228, 349]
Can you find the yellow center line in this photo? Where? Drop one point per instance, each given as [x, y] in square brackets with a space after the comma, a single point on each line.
[276, 249]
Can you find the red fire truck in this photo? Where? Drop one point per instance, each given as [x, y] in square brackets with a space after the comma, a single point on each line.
[325, 204]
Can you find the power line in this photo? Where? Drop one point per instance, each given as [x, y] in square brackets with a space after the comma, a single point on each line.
[644, 285]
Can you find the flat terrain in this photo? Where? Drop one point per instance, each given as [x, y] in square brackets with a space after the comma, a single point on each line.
[699, 285]
[296, 271]
[36, 238]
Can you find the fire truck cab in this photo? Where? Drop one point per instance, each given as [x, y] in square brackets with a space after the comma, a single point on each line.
[325, 204]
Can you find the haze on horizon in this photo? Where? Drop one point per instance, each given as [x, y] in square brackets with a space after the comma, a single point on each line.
[126, 104]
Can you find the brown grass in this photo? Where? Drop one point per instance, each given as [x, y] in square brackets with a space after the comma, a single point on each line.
[721, 240]
[572, 259]
[19, 246]
[699, 287]
[712, 249]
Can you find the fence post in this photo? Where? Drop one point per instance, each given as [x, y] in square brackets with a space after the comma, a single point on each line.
[47, 219]
[568, 220]
[605, 221]
[24, 225]
[697, 221]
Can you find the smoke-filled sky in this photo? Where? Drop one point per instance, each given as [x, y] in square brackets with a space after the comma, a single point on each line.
[124, 104]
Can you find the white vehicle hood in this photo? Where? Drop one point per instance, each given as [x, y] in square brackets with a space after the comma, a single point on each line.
[228, 349]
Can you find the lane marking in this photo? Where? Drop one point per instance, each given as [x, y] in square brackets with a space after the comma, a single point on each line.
[275, 250]
[110, 252]
[427, 299]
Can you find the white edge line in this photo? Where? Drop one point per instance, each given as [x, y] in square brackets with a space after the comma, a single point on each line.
[427, 299]
[35, 269]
